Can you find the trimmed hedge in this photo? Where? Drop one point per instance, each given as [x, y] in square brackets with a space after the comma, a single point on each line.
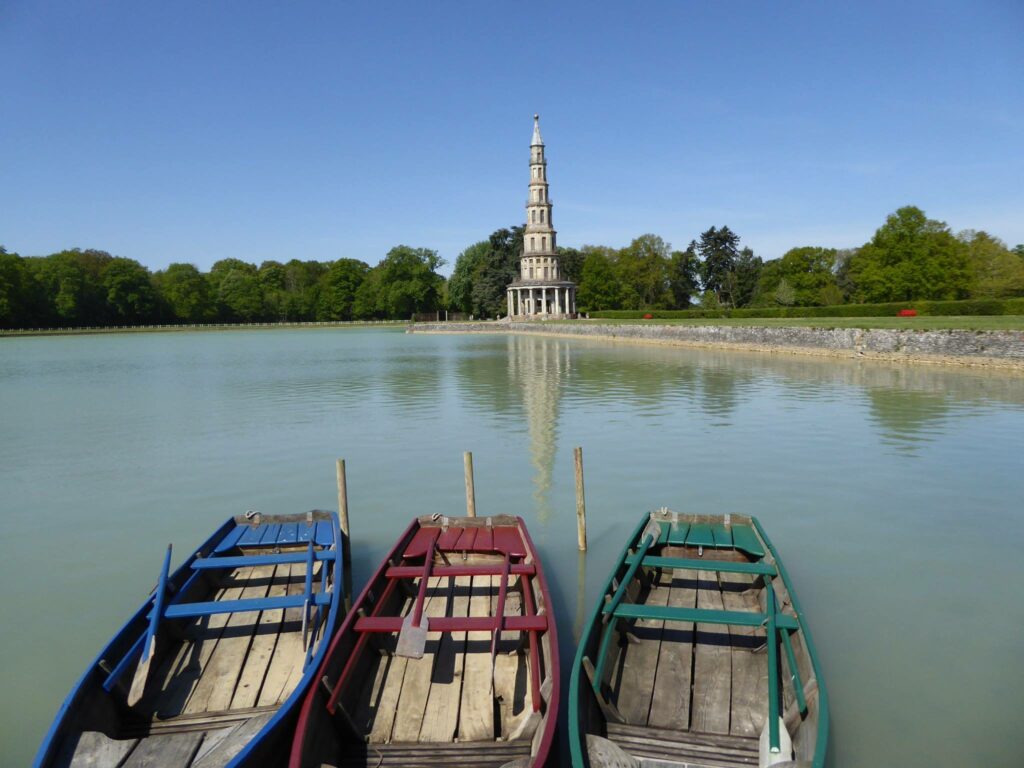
[927, 308]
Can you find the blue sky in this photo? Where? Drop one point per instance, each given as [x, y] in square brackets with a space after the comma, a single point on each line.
[194, 131]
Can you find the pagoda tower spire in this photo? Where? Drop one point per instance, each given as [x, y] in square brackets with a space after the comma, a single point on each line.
[540, 289]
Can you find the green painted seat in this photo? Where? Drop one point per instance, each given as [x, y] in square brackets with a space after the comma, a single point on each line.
[743, 537]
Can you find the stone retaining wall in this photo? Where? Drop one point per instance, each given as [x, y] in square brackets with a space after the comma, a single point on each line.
[998, 348]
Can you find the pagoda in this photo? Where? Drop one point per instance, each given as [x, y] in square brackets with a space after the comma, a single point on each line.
[540, 291]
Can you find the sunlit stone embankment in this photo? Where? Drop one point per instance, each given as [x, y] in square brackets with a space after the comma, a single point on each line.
[1000, 349]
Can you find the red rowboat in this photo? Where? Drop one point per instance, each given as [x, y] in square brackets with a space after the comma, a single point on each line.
[449, 657]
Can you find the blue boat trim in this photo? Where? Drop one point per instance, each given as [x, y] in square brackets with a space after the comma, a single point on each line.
[247, 561]
[193, 610]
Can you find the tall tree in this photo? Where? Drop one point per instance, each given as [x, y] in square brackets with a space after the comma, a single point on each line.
[500, 266]
[185, 292]
[464, 274]
[911, 257]
[997, 271]
[409, 282]
[130, 295]
[684, 276]
[718, 250]
[642, 267]
[599, 286]
[743, 278]
[570, 263]
[339, 286]
[237, 289]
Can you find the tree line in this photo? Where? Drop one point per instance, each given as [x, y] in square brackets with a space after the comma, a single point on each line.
[909, 257]
[92, 288]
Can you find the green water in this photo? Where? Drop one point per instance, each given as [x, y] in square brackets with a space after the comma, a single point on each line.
[893, 493]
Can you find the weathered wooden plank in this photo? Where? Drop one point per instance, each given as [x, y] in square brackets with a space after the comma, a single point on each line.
[446, 678]
[175, 750]
[670, 705]
[201, 638]
[476, 713]
[215, 688]
[749, 669]
[92, 749]
[640, 662]
[712, 665]
[221, 746]
[412, 701]
[511, 670]
[263, 643]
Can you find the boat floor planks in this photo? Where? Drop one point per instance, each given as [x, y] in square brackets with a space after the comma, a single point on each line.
[670, 704]
[749, 668]
[476, 709]
[712, 664]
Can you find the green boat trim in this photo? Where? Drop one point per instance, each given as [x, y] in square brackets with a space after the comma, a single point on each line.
[697, 564]
[821, 743]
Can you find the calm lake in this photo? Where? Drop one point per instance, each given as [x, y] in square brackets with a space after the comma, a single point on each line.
[892, 492]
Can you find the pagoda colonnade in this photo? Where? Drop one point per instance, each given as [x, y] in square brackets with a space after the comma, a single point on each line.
[554, 300]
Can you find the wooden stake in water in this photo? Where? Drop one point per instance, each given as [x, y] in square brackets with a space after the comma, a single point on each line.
[346, 549]
[581, 502]
[467, 460]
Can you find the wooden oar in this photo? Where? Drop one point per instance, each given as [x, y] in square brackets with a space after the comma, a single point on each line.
[412, 639]
[149, 646]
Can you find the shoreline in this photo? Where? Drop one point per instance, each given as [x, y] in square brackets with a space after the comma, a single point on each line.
[109, 329]
[1002, 350]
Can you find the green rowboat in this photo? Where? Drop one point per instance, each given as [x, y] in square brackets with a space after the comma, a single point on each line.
[697, 655]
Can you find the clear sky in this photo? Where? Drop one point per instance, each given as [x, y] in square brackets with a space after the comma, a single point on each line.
[194, 131]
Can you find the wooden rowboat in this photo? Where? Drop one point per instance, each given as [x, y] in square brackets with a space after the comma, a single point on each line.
[211, 670]
[465, 601]
[697, 654]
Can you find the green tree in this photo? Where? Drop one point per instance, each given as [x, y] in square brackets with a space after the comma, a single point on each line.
[719, 251]
[20, 296]
[409, 282]
[643, 270]
[808, 270]
[744, 278]
[684, 276]
[237, 288]
[599, 286]
[785, 294]
[129, 289]
[911, 257]
[72, 283]
[338, 289]
[998, 271]
[570, 263]
[185, 292]
[460, 284]
[499, 267]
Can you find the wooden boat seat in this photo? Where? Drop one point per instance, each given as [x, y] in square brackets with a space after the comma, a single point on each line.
[718, 536]
[499, 539]
[701, 615]
[535, 623]
[470, 754]
[689, 748]
[697, 564]
[271, 534]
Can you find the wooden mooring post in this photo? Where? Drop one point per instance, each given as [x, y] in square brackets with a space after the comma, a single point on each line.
[581, 502]
[467, 460]
[346, 548]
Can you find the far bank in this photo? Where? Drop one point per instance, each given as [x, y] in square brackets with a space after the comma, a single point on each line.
[992, 349]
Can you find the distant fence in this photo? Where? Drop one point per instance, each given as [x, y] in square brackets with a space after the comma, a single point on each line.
[441, 316]
[194, 326]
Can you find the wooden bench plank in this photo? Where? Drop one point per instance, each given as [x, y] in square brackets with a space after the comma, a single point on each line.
[172, 751]
[288, 652]
[744, 537]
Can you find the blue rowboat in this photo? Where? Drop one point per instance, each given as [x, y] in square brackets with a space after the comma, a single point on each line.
[210, 670]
